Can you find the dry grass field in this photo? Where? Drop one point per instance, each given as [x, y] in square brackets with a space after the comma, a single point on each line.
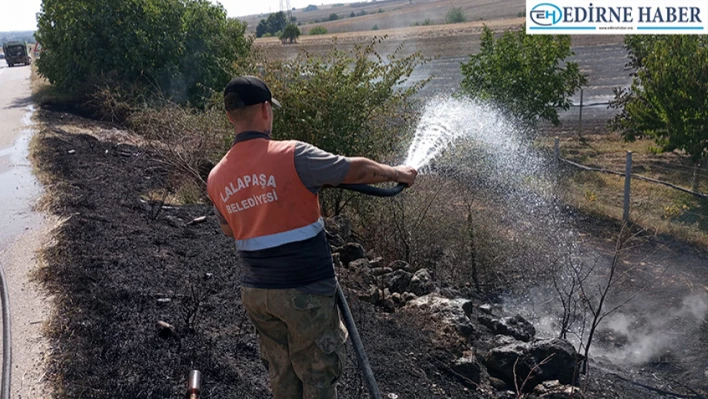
[393, 14]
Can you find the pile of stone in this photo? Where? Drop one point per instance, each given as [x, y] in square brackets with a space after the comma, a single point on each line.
[505, 355]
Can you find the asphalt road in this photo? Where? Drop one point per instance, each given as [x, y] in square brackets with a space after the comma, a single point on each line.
[22, 231]
[604, 65]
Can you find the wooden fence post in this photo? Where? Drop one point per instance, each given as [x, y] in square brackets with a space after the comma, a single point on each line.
[627, 186]
[580, 119]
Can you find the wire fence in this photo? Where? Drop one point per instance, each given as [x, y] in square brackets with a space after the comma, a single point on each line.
[663, 205]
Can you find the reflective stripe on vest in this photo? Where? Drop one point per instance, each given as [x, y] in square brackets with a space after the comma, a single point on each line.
[278, 239]
[257, 189]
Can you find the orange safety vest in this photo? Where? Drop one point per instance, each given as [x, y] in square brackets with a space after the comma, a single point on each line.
[257, 189]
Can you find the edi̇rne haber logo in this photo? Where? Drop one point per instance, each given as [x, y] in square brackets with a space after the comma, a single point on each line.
[617, 17]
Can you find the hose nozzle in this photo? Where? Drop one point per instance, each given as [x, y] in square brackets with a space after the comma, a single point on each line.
[194, 384]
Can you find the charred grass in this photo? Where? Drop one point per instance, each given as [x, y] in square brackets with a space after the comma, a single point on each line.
[117, 266]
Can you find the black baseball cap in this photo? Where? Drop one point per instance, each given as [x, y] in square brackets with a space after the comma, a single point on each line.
[244, 91]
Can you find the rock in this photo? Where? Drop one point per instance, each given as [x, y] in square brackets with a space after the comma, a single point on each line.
[379, 271]
[503, 340]
[165, 330]
[468, 308]
[486, 308]
[334, 240]
[422, 283]
[389, 305]
[359, 264]
[400, 265]
[397, 299]
[374, 295]
[467, 329]
[376, 262]
[516, 326]
[559, 355]
[409, 296]
[468, 368]
[350, 252]
[444, 313]
[555, 390]
[397, 281]
[339, 226]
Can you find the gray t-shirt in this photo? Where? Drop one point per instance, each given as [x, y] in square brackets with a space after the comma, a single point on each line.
[316, 168]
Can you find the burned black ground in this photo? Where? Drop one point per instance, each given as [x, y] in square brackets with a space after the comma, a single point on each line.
[117, 267]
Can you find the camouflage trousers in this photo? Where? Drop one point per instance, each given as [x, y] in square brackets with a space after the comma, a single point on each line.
[302, 341]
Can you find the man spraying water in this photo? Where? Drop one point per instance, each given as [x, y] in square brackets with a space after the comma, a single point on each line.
[265, 195]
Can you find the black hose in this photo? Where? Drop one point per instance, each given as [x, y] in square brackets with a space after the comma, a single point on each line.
[372, 190]
[371, 385]
[359, 351]
[6, 338]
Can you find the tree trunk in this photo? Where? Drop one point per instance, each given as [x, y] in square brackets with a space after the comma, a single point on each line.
[697, 176]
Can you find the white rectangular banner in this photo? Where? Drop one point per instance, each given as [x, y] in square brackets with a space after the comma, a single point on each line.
[617, 17]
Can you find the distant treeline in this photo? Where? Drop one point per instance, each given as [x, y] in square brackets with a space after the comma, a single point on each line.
[20, 36]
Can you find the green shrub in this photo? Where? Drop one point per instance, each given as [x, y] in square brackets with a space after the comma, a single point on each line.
[381, 11]
[352, 15]
[375, 27]
[455, 16]
[427, 22]
[177, 48]
[333, 17]
[346, 102]
[318, 30]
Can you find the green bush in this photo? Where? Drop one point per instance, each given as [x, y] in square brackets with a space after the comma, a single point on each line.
[427, 22]
[176, 48]
[347, 102]
[375, 27]
[352, 15]
[333, 17]
[318, 30]
[455, 16]
[381, 11]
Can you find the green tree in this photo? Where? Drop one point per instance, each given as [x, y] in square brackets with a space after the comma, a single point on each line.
[276, 22]
[262, 28]
[290, 33]
[347, 102]
[668, 98]
[455, 16]
[181, 48]
[523, 74]
[318, 30]
[333, 17]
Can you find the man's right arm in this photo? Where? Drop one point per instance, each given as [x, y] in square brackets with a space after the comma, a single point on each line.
[366, 171]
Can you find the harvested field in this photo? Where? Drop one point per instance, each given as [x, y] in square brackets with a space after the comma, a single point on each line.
[396, 14]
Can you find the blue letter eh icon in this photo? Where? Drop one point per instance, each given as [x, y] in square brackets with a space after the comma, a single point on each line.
[546, 14]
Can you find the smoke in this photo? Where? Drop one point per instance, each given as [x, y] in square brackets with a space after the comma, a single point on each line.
[656, 335]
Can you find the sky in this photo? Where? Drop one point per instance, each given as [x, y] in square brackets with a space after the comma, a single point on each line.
[20, 15]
